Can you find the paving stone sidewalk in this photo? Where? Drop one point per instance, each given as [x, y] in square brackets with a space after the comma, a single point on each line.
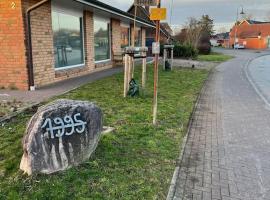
[227, 155]
[59, 88]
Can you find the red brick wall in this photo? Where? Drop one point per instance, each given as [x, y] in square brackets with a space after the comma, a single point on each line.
[116, 36]
[251, 32]
[42, 45]
[89, 40]
[13, 70]
[13, 42]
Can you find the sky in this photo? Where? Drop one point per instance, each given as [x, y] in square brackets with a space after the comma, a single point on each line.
[222, 11]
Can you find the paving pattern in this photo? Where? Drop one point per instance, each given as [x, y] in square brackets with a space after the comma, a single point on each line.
[227, 155]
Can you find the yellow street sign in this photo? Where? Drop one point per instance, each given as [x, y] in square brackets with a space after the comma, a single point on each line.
[158, 14]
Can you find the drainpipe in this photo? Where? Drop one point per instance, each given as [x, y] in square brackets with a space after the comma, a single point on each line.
[29, 44]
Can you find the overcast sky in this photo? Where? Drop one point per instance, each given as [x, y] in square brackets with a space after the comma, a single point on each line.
[222, 11]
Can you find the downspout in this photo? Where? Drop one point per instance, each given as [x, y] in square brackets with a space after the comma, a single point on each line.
[31, 81]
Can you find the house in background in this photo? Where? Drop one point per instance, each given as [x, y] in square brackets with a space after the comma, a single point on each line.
[251, 34]
[166, 31]
[64, 39]
[220, 40]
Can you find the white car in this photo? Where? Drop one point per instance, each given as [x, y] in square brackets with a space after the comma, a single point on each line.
[214, 43]
[239, 46]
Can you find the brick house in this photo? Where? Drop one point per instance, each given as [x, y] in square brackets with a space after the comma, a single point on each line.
[47, 41]
[251, 34]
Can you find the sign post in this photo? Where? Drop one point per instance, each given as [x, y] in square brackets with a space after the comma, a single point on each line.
[157, 14]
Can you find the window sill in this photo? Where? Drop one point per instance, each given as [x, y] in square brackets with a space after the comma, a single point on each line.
[69, 67]
[102, 61]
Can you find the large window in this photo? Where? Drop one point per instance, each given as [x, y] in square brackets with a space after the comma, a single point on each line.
[102, 39]
[125, 37]
[67, 40]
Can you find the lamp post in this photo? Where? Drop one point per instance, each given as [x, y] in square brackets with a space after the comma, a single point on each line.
[235, 32]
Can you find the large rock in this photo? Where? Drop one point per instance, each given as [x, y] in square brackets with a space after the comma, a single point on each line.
[62, 134]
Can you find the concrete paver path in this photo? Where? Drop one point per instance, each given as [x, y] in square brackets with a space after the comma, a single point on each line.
[59, 88]
[227, 155]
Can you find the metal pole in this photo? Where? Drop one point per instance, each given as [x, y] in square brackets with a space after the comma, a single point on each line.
[171, 12]
[235, 32]
[156, 71]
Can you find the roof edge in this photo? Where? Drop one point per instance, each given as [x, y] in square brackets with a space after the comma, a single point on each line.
[107, 8]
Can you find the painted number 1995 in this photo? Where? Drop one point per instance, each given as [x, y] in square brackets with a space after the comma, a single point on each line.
[66, 126]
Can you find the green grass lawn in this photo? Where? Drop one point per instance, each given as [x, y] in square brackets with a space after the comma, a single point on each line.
[136, 161]
[214, 57]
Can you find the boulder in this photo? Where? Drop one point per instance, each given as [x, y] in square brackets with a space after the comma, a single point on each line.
[60, 135]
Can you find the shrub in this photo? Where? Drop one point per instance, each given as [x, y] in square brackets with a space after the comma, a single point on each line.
[185, 51]
[182, 51]
[204, 48]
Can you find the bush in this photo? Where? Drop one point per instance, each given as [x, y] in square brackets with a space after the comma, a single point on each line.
[182, 51]
[185, 51]
[204, 48]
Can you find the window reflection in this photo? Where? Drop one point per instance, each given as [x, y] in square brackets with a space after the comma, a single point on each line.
[124, 37]
[102, 39]
[68, 40]
[138, 38]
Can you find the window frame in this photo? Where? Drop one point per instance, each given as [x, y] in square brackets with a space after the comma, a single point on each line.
[107, 20]
[81, 17]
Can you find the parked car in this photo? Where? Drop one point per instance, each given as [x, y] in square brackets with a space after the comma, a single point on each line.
[214, 43]
[239, 46]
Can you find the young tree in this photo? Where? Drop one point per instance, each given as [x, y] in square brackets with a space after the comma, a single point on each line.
[181, 37]
[207, 24]
[194, 31]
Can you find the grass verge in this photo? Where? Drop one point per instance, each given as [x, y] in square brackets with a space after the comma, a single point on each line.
[136, 161]
[214, 57]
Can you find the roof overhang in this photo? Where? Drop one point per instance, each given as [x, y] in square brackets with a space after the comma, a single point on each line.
[106, 10]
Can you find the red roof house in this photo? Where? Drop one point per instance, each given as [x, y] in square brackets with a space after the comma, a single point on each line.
[251, 34]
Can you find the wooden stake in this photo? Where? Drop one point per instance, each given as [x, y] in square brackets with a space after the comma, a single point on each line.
[133, 41]
[126, 75]
[144, 72]
[130, 60]
[172, 59]
[164, 58]
[156, 72]
[134, 26]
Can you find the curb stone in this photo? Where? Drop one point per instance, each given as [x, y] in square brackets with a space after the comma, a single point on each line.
[176, 173]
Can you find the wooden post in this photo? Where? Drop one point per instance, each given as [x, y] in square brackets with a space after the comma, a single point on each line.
[133, 41]
[172, 59]
[156, 71]
[130, 60]
[132, 67]
[144, 72]
[126, 75]
[164, 58]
